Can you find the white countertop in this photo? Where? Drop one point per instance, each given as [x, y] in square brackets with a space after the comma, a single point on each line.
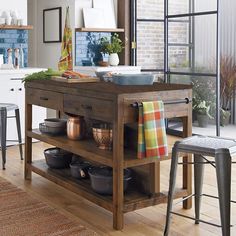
[26, 70]
[119, 69]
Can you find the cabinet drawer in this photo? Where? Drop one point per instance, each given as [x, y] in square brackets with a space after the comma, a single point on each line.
[45, 98]
[171, 110]
[91, 107]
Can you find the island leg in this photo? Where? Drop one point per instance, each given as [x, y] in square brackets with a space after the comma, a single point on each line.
[118, 159]
[155, 176]
[28, 140]
[187, 169]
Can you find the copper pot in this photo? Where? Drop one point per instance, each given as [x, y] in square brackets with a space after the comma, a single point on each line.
[103, 137]
[76, 128]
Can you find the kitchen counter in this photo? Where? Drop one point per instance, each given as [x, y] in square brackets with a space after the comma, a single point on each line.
[109, 103]
[27, 70]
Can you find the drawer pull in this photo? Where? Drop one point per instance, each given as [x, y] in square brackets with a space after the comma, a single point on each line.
[44, 98]
[86, 107]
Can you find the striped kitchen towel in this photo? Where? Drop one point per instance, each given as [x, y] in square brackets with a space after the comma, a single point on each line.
[66, 59]
[152, 140]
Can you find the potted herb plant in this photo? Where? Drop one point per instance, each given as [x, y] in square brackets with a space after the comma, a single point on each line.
[227, 87]
[112, 47]
[203, 115]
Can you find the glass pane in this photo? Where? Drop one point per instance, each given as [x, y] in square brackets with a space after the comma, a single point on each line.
[205, 5]
[186, 6]
[150, 45]
[179, 59]
[179, 31]
[178, 7]
[150, 9]
[201, 56]
[204, 102]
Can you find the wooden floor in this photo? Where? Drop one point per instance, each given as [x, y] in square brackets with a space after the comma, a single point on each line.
[149, 221]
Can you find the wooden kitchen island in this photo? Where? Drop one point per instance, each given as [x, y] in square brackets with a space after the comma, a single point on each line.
[109, 103]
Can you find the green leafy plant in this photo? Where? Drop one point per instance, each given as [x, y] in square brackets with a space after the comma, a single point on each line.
[202, 109]
[115, 45]
[42, 75]
[204, 90]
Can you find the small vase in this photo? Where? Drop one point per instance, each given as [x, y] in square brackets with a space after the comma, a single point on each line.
[113, 59]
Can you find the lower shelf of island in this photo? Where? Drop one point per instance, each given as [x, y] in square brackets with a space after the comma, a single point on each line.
[133, 200]
[89, 150]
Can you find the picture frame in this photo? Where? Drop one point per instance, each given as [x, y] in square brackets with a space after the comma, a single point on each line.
[52, 25]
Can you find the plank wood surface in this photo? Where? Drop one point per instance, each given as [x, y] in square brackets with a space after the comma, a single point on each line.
[144, 222]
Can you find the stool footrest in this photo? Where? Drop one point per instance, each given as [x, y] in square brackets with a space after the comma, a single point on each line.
[192, 218]
[203, 194]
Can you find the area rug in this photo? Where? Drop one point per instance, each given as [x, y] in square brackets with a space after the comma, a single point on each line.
[23, 215]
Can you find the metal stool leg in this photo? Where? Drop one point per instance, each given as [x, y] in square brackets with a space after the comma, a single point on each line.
[17, 113]
[223, 173]
[173, 171]
[198, 181]
[3, 115]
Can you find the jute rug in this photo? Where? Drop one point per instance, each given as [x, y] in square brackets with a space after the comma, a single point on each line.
[23, 215]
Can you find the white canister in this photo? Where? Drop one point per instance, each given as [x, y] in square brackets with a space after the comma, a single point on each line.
[1, 59]
[113, 59]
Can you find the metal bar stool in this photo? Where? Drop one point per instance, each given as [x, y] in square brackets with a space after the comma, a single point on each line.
[221, 149]
[4, 108]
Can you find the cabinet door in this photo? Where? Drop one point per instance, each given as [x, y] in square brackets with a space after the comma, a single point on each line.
[39, 113]
[8, 94]
[12, 91]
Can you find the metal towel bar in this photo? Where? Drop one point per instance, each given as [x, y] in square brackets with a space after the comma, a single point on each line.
[186, 101]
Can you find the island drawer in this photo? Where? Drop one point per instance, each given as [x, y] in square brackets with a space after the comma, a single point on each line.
[171, 110]
[94, 108]
[44, 98]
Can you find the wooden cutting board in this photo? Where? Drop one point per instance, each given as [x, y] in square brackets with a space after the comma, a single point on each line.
[83, 80]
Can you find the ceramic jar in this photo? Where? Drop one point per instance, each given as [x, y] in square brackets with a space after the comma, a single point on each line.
[113, 59]
[76, 128]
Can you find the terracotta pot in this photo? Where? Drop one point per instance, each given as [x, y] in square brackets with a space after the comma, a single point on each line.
[76, 128]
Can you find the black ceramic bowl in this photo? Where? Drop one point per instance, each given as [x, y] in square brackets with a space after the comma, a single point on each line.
[57, 158]
[102, 181]
[79, 170]
[53, 131]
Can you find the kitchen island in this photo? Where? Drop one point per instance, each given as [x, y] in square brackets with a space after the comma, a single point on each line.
[113, 104]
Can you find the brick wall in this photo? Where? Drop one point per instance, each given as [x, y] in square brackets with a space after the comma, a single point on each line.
[14, 39]
[150, 35]
[87, 50]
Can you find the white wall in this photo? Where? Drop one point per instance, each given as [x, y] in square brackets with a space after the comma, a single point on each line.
[19, 5]
[47, 55]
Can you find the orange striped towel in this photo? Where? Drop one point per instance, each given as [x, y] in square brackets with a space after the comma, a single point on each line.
[152, 139]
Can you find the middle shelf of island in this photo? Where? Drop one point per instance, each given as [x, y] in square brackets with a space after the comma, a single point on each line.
[88, 149]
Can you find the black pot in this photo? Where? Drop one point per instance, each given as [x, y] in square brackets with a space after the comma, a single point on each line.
[57, 158]
[79, 170]
[102, 181]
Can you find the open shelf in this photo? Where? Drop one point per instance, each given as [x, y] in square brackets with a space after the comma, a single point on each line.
[89, 150]
[84, 148]
[133, 199]
[16, 27]
[99, 30]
